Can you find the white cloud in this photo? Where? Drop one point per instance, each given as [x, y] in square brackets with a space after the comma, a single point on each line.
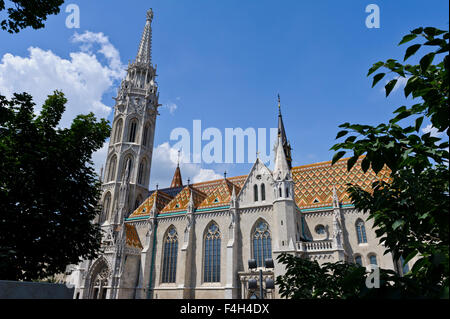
[171, 107]
[99, 157]
[83, 78]
[431, 129]
[401, 83]
[164, 163]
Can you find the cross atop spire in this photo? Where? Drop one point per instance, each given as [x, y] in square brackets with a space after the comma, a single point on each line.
[144, 54]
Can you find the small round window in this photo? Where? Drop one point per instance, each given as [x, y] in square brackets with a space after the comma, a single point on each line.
[320, 229]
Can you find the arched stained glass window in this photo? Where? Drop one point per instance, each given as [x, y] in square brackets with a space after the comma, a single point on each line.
[373, 260]
[361, 231]
[262, 243]
[263, 192]
[170, 256]
[211, 271]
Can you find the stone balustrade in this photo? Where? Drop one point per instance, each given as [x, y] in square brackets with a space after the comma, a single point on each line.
[320, 245]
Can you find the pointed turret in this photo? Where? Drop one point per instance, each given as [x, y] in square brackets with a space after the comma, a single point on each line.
[176, 180]
[281, 169]
[144, 54]
[282, 133]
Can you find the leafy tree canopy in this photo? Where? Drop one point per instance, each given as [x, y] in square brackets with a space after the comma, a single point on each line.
[410, 213]
[48, 188]
[28, 13]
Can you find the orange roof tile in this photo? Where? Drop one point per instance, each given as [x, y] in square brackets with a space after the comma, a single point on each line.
[132, 237]
[162, 199]
[314, 183]
[313, 186]
[220, 196]
[181, 201]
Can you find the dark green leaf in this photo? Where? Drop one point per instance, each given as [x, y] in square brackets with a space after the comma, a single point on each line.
[408, 38]
[426, 61]
[365, 164]
[411, 50]
[341, 133]
[377, 78]
[390, 86]
[418, 123]
[375, 67]
[351, 162]
[337, 156]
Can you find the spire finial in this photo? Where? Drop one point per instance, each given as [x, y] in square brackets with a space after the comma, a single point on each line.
[145, 46]
[279, 103]
[225, 175]
[178, 160]
[150, 15]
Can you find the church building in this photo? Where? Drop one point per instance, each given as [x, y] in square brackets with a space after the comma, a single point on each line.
[196, 240]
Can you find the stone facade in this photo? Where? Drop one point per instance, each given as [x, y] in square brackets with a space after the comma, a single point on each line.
[195, 241]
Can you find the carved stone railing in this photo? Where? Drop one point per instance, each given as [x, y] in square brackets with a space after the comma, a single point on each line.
[320, 245]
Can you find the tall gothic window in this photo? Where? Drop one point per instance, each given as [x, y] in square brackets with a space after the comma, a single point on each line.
[255, 193]
[262, 243]
[132, 132]
[112, 169]
[128, 164]
[145, 135]
[118, 131]
[211, 271]
[263, 192]
[141, 172]
[361, 231]
[106, 205]
[169, 269]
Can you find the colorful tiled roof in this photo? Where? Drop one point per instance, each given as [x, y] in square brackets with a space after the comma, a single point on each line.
[132, 237]
[161, 198]
[181, 201]
[220, 196]
[313, 188]
[314, 183]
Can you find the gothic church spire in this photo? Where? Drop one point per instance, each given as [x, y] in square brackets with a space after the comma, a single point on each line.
[282, 133]
[144, 54]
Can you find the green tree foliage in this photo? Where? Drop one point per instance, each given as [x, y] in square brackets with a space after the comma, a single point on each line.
[48, 188]
[28, 13]
[410, 213]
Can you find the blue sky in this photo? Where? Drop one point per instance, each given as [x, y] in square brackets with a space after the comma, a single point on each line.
[224, 62]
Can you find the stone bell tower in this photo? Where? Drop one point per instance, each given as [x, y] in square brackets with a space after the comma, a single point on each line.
[133, 128]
